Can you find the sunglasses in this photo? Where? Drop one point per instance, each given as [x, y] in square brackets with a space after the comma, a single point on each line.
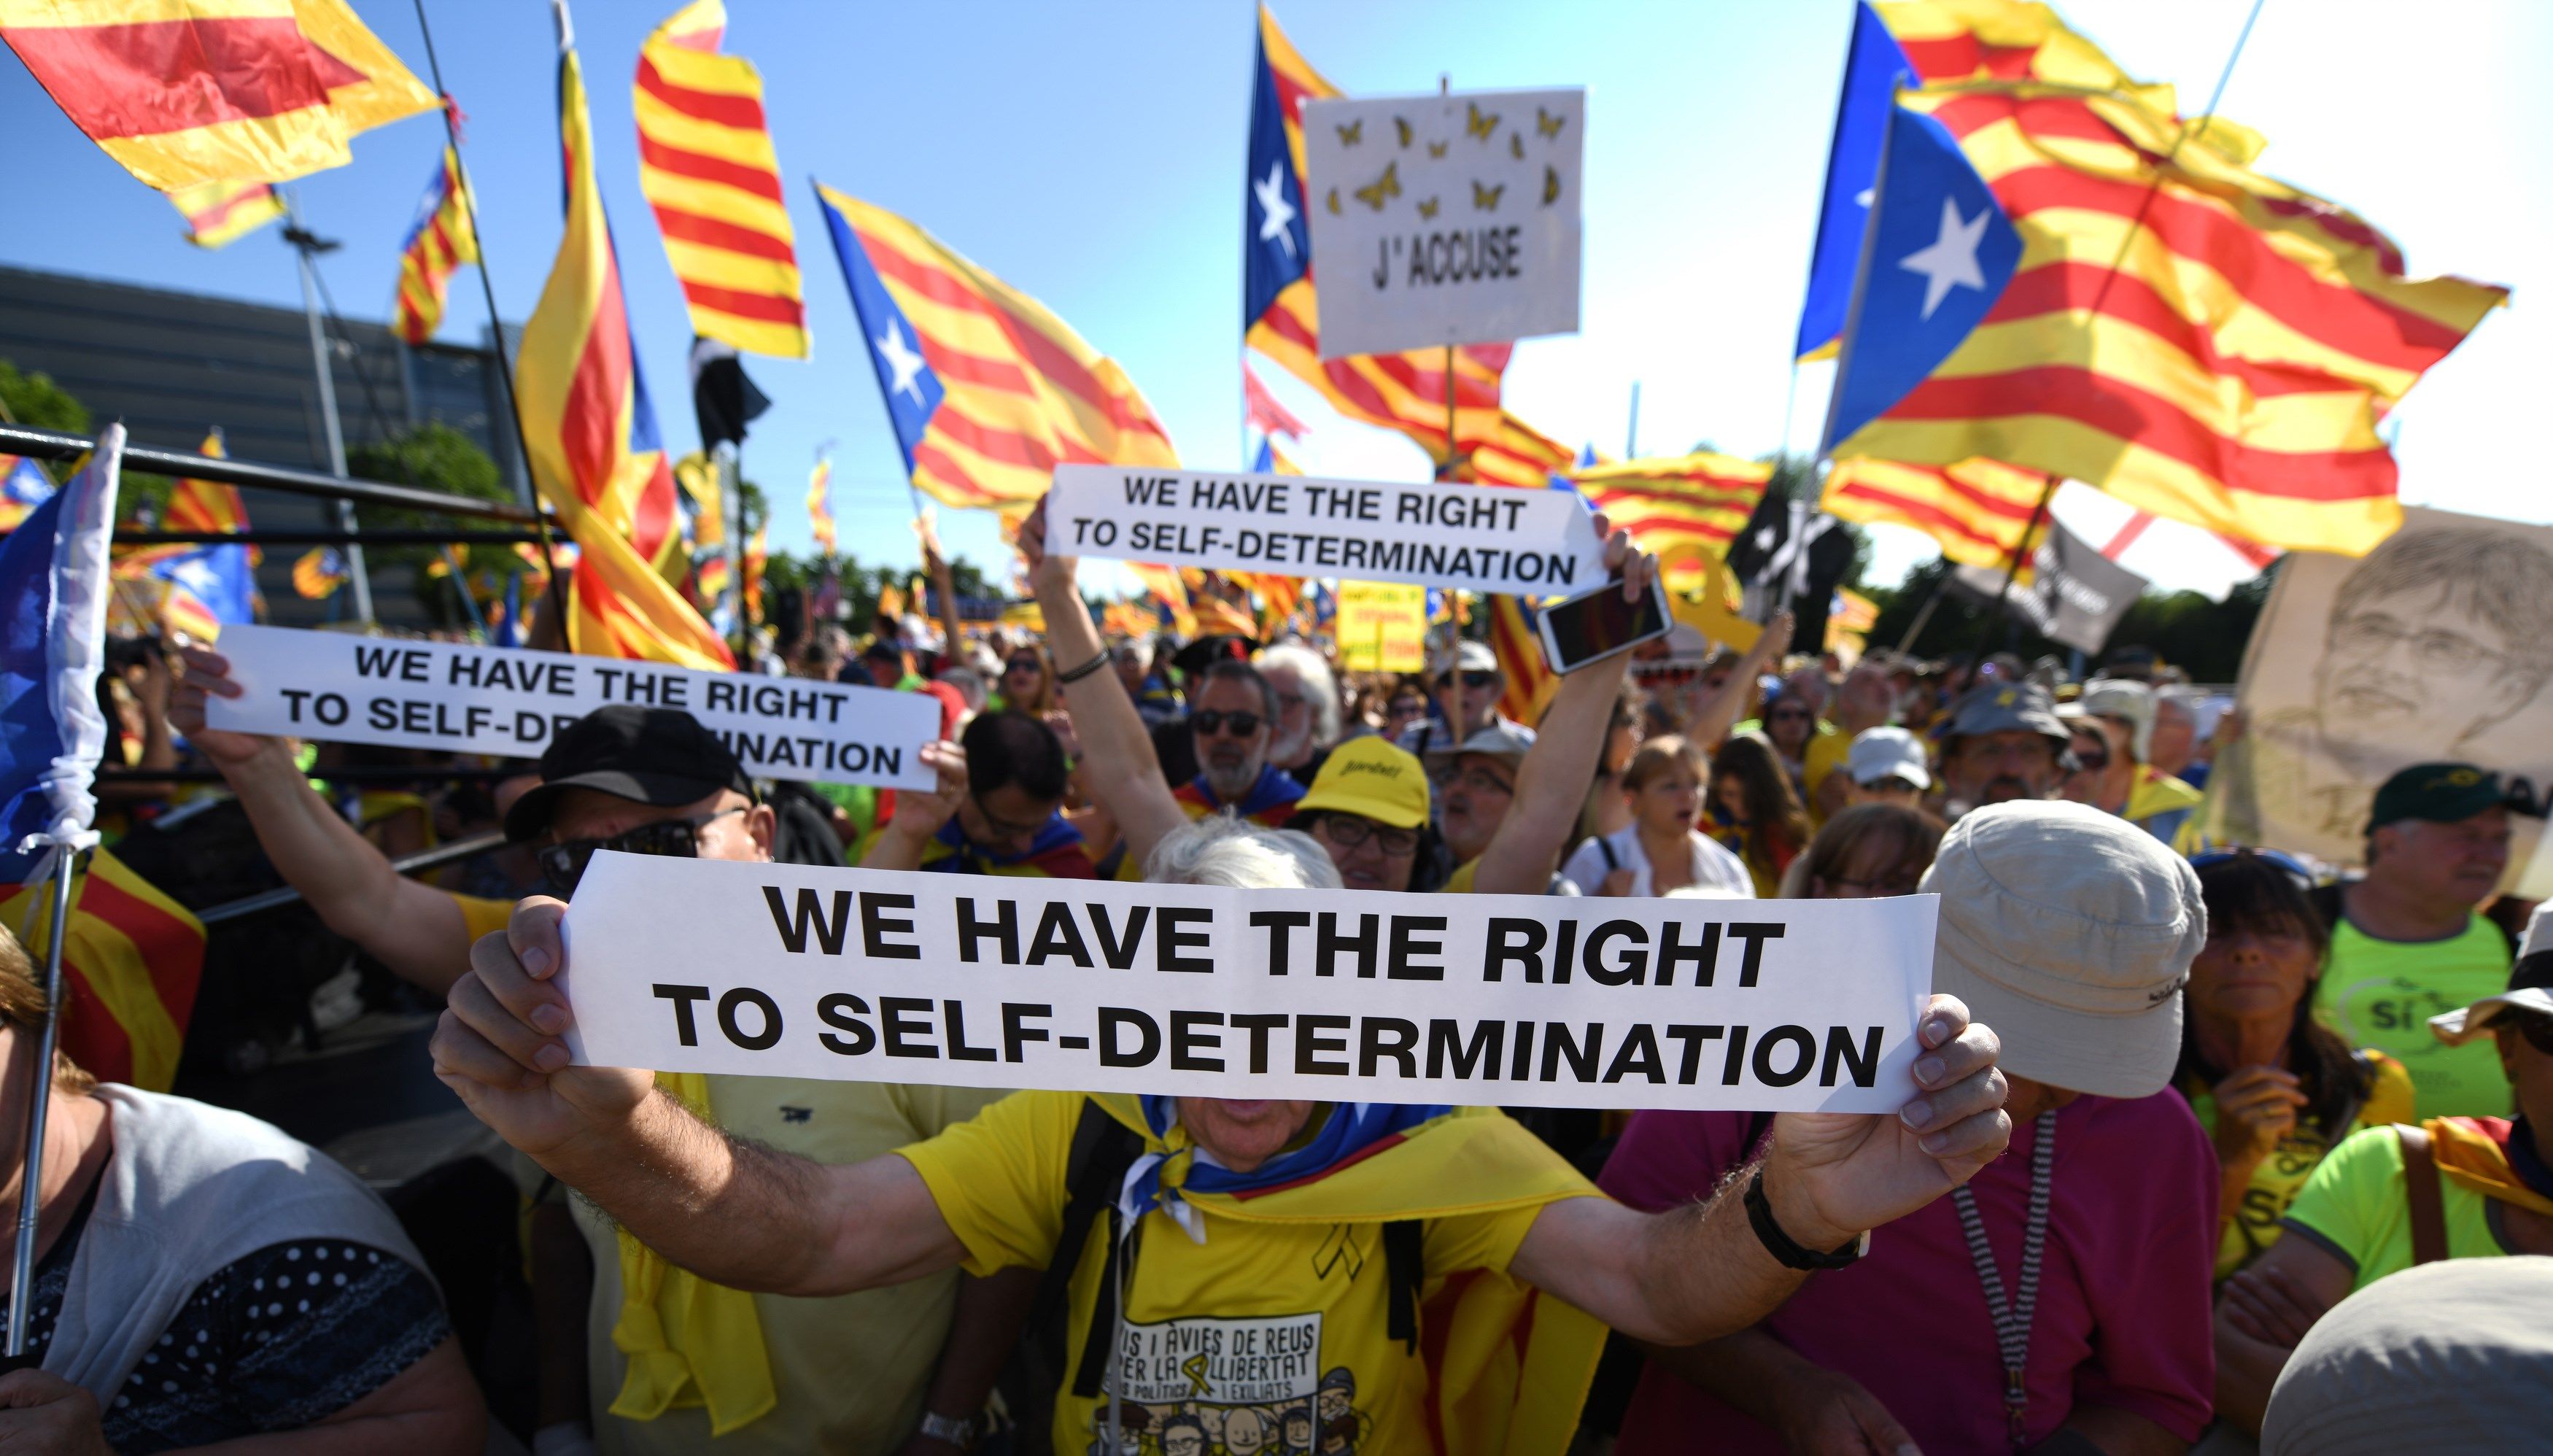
[1779, 713]
[1476, 680]
[563, 864]
[2537, 1029]
[1025, 664]
[1211, 723]
[1348, 832]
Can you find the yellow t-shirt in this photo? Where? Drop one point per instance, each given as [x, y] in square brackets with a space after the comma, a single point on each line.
[2355, 1205]
[2382, 994]
[480, 916]
[2279, 1178]
[1281, 1327]
[850, 1369]
[1828, 749]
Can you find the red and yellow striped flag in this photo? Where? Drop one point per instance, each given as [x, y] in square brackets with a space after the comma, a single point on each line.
[1531, 680]
[187, 92]
[319, 573]
[1976, 511]
[706, 165]
[439, 243]
[2229, 372]
[130, 968]
[221, 213]
[819, 503]
[591, 435]
[206, 505]
[757, 551]
[987, 391]
[1684, 509]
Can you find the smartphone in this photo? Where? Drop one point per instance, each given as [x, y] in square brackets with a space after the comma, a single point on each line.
[1595, 625]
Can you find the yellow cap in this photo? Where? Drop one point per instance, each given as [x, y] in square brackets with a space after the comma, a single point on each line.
[1371, 777]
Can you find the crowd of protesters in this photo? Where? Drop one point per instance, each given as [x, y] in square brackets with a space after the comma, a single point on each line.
[2184, 1110]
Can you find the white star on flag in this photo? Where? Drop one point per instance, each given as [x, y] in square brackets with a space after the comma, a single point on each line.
[196, 576]
[1275, 214]
[1951, 258]
[899, 359]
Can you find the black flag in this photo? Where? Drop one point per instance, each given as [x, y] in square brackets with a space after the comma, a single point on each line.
[723, 399]
[1793, 555]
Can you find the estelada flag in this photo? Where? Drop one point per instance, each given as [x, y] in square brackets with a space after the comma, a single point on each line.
[319, 573]
[185, 92]
[439, 243]
[591, 435]
[221, 213]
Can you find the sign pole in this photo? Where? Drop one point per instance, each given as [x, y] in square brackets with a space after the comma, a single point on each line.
[22, 1273]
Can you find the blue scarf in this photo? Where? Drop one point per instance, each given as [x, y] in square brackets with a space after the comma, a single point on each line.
[1350, 1132]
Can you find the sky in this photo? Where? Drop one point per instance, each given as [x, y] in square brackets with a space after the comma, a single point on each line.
[1093, 156]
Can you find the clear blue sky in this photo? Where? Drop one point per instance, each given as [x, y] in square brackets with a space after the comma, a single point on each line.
[1097, 164]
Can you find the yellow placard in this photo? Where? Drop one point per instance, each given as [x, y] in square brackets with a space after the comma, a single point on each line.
[1383, 627]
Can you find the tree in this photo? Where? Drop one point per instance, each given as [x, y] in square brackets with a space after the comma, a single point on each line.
[2203, 638]
[431, 457]
[35, 400]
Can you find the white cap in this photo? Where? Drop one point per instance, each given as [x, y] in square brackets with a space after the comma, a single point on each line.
[1888, 752]
[2445, 1359]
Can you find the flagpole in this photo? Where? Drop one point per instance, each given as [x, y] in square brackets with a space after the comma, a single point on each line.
[305, 245]
[30, 1188]
[726, 465]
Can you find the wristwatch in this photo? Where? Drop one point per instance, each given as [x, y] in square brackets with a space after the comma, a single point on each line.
[1759, 1214]
[955, 1430]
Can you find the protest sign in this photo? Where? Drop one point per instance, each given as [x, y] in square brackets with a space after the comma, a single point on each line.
[1444, 219]
[950, 980]
[1381, 626]
[2073, 596]
[1535, 543]
[511, 701]
[2434, 646]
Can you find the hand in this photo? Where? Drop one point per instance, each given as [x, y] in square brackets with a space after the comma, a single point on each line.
[2256, 1108]
[1639, 569]
[208, 673]
[1832, 1175]
[921, 812]
[1061, 722]
[44, 1414]
[153, 690]
[2264, 1304]
[1616, 882]
[1046, 571]
[1829, 1413]
[1777, 637]
[498, 1046]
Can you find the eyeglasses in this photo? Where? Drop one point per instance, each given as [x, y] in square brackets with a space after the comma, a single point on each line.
[1482, 781]
[1210, 723]
[2091, 762]
[1476, 680]
[1003, 828]
[563, 864]
[2376, 634]
[1348, 832]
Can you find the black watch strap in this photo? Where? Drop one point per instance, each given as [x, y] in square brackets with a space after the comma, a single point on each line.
[1759, 1214]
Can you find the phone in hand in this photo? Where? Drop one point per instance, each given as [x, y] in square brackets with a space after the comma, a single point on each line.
[1597, 624]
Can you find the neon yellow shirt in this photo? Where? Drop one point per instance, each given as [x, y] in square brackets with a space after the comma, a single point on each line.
[2354, 1205]
[2279, 1178]
[2382, 994]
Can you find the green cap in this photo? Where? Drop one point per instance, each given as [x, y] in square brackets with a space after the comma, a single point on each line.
[2439, 793]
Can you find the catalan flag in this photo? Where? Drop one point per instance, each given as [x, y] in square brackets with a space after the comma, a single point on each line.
[207, 505]
[320, 572]
[1516, 637]
[439, 243]
[987, 391]
[819, 503]
[187, 92]
[757, 551]
[1976, 511]
[24, 486]
[2228, 372]
[1398, 392]
[1684, 509]
[130, 968]
[591, 433]
[220, 213]
[1513, 453]
[705, 164]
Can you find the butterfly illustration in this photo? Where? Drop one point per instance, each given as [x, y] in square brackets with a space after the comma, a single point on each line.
[1352, 133]
[1334, 201]
[1480, 125]
[1404, 130]
[1487, 199]
[1550, 187]
[1547, 123]
[1387, 185]
[1515, 144]
[1428, 207]
[1436, 149]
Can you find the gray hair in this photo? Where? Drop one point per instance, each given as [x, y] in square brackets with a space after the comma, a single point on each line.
[1319, 684]
[1220, 849]
[2497, 578]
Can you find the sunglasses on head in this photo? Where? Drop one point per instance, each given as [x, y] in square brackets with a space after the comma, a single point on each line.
[1211, 723]
[563, 864]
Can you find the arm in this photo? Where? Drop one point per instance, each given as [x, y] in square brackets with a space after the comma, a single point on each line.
[1708, 720]
[413, 928]
[1551, 782]
[919, 815]
[2263, 1312]
[1119, 769]
[734, 1212]
[1699, 1272]
[990, 1314]
[1813, 1407]
[427, 1410]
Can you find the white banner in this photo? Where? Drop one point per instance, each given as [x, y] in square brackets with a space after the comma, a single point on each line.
[1535, 543]
[996, 981]
[511, 701]
[1444, 219]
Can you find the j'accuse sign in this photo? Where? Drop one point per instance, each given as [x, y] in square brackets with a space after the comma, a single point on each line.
[511, 701]
[1535, 543]
[782, 970]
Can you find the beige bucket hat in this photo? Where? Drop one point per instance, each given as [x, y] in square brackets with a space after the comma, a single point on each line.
[2069, 932]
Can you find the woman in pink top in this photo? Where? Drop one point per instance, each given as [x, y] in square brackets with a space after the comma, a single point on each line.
[2081, 1260]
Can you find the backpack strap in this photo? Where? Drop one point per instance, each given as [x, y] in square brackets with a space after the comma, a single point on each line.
[1404, 1262]
[2420, 1190]
[1102, 1149]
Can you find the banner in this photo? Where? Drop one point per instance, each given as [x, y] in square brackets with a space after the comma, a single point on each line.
[1381, 626]
[1444, 219]
[2075, 595]
[511, 701]
[1534, 543]
[2434, 646]
[995, 981]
